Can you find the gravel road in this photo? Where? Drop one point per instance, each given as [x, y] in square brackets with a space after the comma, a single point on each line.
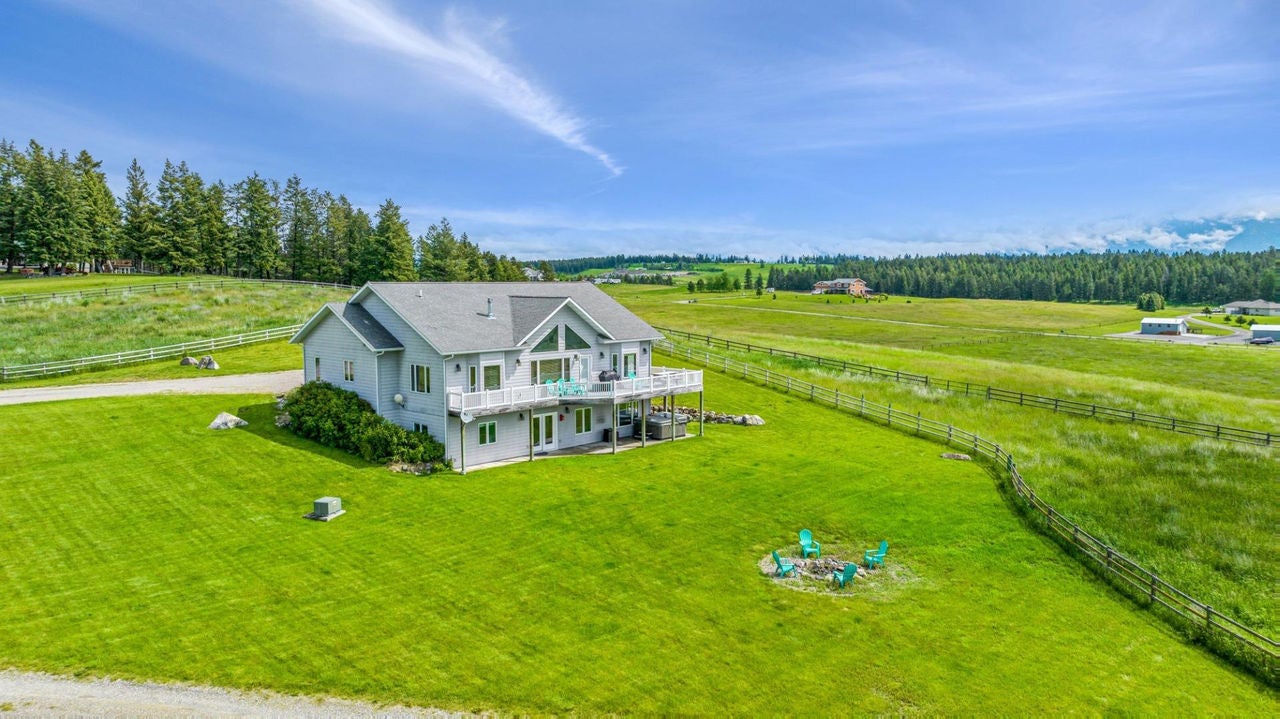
[26, 694]
[263, 383]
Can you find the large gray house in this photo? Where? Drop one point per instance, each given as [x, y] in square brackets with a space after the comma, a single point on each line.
[494, 370]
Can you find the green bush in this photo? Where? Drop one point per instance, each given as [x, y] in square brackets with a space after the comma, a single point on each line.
[339, 418]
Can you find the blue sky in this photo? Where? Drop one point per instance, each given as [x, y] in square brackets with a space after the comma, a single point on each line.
[555, 129]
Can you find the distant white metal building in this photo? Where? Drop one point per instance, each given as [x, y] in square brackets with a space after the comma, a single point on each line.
[1272, 331]
[1164, 326]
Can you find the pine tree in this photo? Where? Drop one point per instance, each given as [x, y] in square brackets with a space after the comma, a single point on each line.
[10, 179]
[255, 244]
[101, 214]
[216, 235]
[139, 236]
[391, 255]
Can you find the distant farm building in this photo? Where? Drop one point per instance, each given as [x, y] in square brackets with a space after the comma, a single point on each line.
[1262, 308]
[1272, 331]
[1164, 326]
[842, 286]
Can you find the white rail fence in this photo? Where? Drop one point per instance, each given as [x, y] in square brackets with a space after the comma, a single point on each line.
[46, 369]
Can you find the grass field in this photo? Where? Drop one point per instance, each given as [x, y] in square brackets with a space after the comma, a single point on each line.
[591, 584]
[275, 356]
[70, 328]
[1202, 513]
[1019, 333]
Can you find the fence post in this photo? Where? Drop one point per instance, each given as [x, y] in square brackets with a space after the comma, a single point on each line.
[1153, 586]
[1208, 616]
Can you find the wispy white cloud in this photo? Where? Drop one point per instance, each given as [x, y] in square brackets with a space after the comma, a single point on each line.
[459, 55]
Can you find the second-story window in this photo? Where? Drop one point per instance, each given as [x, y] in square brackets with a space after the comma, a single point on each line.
[419, 378]
[629, 364]
[493, 376]
[349, 370]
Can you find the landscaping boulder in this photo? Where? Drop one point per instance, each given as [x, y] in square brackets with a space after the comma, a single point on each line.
[956, 455]
[753, 420]
[188, 362]
[226, 420]
[207, 362]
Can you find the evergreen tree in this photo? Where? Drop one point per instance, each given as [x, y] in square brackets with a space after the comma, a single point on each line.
[10, 187]
[548, 272]
[100, 213]
[216, 235]
[388, 257]
[180, 200]
[139, 236]
[255, 244]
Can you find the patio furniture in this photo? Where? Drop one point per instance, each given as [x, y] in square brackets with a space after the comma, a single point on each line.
[873, 557]
[808, 546]
[785, 566]
[848, 574]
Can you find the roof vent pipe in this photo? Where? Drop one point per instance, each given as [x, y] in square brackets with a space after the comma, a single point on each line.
[489, 314]
[419, 293]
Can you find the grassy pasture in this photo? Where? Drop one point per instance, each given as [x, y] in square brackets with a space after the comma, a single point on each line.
[1201, 513]
[275, 356]
[591, 584]
[67, 328]
[13, 284]
[1028, 336]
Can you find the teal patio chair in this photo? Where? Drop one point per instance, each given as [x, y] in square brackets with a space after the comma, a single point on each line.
[848, 574]
[808, 546]
[873, 557]
[785, 566]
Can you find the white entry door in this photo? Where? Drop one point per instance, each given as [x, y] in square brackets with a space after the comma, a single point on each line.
[544, 432]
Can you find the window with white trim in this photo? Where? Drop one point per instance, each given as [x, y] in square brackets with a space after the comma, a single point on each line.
[419, 427]
[419, 378]
[349, 370]
[582, 420]
[488, 432]
[492, 376]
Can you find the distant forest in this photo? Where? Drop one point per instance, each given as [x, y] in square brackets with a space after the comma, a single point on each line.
[58, 211]
[1187, 278]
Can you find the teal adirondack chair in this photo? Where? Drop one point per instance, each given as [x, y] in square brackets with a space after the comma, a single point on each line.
[808, 546]
[873, 557]
[848, 574]
[785, 566]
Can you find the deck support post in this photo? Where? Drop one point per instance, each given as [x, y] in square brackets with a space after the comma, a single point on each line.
[671, 411]
[702, 415]
[530, 413]
[613, 422]
[462, 446]
[644, 422]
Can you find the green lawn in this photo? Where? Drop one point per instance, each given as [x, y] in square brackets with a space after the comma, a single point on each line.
[1201, 512]
[69, 328]
[273, 356]
[14, 284]
[593, 584]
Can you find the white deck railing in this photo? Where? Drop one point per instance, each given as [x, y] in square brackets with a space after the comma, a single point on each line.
[663, 380]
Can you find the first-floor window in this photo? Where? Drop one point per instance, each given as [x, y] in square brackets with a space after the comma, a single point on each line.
[582, 420]
[419, 378]
[317, 368]
[419, 427]
[488, 432]
[348, 370]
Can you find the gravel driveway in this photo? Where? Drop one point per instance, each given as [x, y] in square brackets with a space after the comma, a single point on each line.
[262, 383]
[25, 694]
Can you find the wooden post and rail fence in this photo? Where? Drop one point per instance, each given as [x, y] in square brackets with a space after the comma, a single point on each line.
[1255, 650]
[996, 394]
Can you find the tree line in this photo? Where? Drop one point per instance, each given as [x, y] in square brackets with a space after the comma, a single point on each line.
[56, 210]
[1186, 278]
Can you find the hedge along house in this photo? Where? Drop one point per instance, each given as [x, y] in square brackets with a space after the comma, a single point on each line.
[495, 371]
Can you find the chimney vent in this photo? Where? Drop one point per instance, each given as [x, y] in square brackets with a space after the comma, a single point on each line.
[489, 314]
[419, 293]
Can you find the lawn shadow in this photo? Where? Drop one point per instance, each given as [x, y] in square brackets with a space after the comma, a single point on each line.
[262, 423]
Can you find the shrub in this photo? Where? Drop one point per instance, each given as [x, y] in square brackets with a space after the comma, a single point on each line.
[339, 418]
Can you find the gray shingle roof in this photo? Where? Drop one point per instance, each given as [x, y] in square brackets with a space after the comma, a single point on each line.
[359, 319]
[451, 315]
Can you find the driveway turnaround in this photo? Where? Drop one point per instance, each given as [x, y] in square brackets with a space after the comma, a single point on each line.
[263, 383]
